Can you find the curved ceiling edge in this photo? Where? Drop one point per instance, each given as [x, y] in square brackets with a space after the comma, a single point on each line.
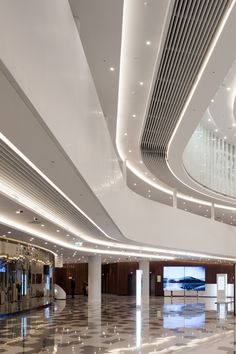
[210, 78]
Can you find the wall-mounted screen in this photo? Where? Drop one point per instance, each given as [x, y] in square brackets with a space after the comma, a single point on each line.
[184, 278]
[2, 268]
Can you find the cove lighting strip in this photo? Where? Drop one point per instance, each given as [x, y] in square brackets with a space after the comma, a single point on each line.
[30, 163]
[199, 76]
[19, 198]
[50, 238]
[122, 81]
[127, 250]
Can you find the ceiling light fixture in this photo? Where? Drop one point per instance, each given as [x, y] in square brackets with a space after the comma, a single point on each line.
[148, 42]
[112, 69]
[134, 115]
[141, 83]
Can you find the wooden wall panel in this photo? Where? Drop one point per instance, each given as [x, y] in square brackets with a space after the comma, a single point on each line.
[124, 269]
[115, 276]
[212, 269]
[78, 271]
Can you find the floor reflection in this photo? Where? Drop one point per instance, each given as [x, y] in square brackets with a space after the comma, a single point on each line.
[184, 316]
[165, 326]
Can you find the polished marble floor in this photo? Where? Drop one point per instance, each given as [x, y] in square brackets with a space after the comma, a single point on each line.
[167, 325]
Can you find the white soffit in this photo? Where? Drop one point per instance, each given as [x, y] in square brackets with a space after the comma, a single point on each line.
[212, 77]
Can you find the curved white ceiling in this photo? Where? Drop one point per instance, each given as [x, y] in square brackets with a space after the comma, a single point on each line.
[72, 96]
[128, 139]
[214, 73]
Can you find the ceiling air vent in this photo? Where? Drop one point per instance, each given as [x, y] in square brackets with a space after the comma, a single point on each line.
[191, 29]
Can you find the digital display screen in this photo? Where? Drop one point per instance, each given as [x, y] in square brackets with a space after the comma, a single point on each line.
[2, 268]
[184, 278]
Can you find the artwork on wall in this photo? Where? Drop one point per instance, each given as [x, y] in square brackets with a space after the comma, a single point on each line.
[184, 278]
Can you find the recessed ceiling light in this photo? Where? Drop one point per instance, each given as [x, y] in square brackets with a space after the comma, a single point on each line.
[149, 196]
[149, 191]
[141, 83]
[146, 173]
[58, 230]
[141, 161]
[216, 130]
[9, 232]
[212, 100]
[130, 150]
[225, 137]
[45, 243]
[67, 235]
[125, 134]
[234, 124]
[148, 42]
[134, 115]
[209, 119]
[112, 69]
[228, 88]
[42, 225]
[135, 184]
[154, 179]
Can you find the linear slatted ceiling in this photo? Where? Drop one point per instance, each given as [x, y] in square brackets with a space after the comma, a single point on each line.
[192, 27]
[19, 176]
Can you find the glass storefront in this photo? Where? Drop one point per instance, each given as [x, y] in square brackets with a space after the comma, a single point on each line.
[26, 272]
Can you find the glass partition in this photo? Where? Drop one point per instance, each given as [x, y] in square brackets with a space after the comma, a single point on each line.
[210, 160]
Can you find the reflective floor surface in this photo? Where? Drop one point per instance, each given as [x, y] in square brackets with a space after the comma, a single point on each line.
[167, 325]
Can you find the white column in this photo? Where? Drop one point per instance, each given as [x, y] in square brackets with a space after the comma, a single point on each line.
[94, 278]
[144, 266]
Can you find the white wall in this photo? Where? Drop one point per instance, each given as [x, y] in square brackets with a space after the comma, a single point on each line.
[40, 46]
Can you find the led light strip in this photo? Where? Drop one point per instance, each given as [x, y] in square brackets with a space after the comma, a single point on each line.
[50, 238]
[167, 254]
[30, 163]
[130, 166]
[27, 244]
[7, 190]
[206, 60]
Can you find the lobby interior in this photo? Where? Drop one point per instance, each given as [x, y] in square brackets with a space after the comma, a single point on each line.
[117, 176]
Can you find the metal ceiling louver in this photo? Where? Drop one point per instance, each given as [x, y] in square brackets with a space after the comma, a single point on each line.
[192, 26]
[21, 177]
